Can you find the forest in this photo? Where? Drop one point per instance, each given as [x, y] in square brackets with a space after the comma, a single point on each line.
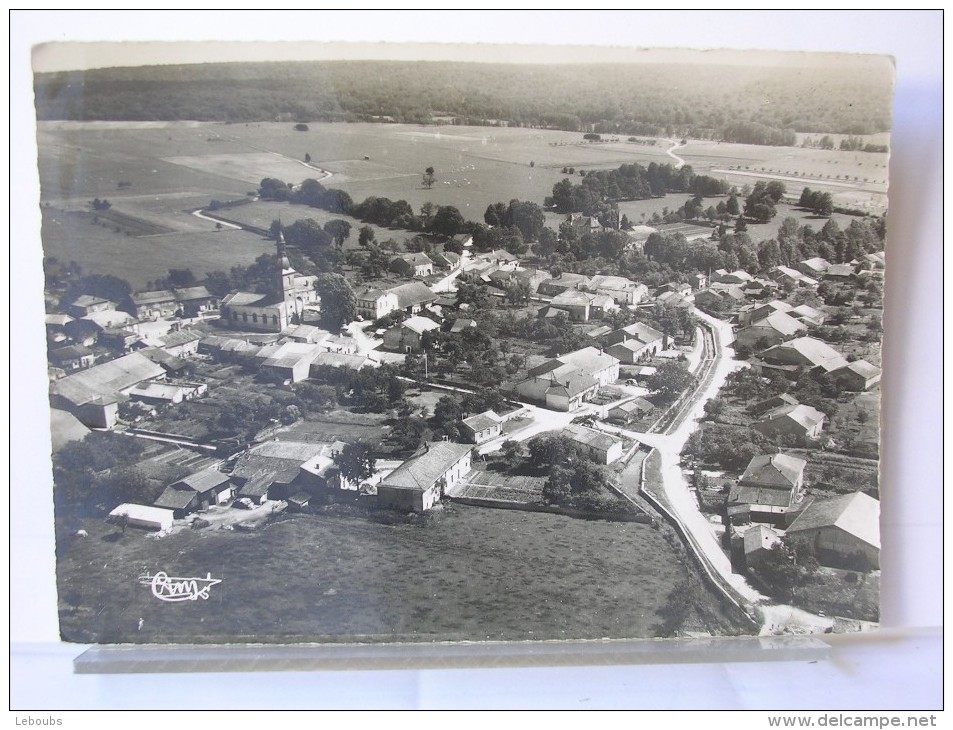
[747, 104]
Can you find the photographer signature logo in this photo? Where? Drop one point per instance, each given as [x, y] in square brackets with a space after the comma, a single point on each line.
[172, 589]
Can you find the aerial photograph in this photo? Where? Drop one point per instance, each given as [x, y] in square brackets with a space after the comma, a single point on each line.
[367, 351]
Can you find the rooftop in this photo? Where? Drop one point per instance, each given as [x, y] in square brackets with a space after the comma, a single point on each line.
[204, 480]
[106, 379]
[590, 437]
[482, 421]
[857, 514]
[774, 470]
[423, 471]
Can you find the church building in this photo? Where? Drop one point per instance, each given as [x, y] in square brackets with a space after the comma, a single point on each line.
[285, 305]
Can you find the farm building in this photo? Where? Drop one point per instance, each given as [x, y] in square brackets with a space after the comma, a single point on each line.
[755, 312]
[634, 342]
[306, 333]
[629, 411]
[196, 300]
[858, 376]
[719, 297]
[798, 424]
[412, 264]
[290, 361]
[814, 267]
[805, 352]
[840, 272]
[339, 360]
[768, 332]
[408, 335]
[845, 530]
[180, 343]
[87, 304]
[481, 427]
[601, 447]
[559, 284]
[445, 260]
[576, 304]
[420, 482]
[155, 305]
[808, 315]
[275, 467]
[623, 291]
[374, 303]
[72, 357]
[721, 276]
[93, 395]
[772, 486]
[291, 294]
[413, 296]
[564, 389]
[140, 515]
[770, 403]
[785, 275]
[756, 542]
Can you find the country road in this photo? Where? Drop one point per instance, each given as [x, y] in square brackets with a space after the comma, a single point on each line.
[671, 152]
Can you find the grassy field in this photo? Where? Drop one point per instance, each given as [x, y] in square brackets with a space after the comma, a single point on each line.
[72, 236]
[458, 573]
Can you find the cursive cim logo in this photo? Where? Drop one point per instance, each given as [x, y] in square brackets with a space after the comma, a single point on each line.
[167, 588]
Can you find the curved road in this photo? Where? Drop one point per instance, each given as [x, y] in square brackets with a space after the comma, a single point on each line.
[685, 506]
[671, 152]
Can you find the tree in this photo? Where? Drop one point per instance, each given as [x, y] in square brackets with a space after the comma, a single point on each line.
[365, 236]
[307, 157]
[518, 292]
[512, 453]
[448, 221]
[732, 206]
[181, 278]
[301, 127]
[429, 178]
[339, 230]
[355, 462]
[669, 381]
[338, 303]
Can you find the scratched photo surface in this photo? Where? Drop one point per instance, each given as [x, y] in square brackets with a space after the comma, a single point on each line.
[409, 344]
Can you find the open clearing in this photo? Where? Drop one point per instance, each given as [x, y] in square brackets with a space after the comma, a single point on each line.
[250, 167]
[472, 574]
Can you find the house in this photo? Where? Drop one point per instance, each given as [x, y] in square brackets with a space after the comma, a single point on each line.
[674, 300]
[805, 352]
[289, 296]
[698, 281]
[180, 343]
[464, 240]
[408, 335]
[857, 376]
[756, 542]
[119, 339]
[814, 267]
[87, 304]
[290, 361]
[374, 303]
[446, 260]
[342, 344]
[772, 486]
[413, 297]
[558, 284]
[798, 424]
[481, 427]
[590, 360]
[719, 298]
[738, 276]
[785, 275]
[754, 312]
[808, 315]
[195, 300]
[776, 402]
[574, 303]
[154, 305]
[93, 395]
[338, 360]
[629, 411]
[306, 333]
[875, 261]
[564, 383]
[412, 264]
[157, 394]
[140, 515]
[623, 291]
[840, 272]
[844, 531]
[169, 363]
[768, 332]
[460, 324]
[420, 482]
[559, 390]
[500, 258]
[634, 342]
[601, 447]
[87, 329]
[531, 277]
[72, 357]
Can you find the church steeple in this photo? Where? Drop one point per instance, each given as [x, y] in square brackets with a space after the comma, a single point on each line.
[283, 262]
[286, 274]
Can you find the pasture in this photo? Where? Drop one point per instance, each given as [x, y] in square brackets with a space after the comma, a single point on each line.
[157, 174]
[477, 574]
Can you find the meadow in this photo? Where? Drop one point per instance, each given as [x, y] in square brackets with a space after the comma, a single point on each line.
[458, 573]
[160, 173]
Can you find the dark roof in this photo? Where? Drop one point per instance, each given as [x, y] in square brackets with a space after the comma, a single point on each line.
[181, 337]
[167, 360]
[481, 421]
[153, 297]
[412, 294]
[204, 480]
[760, 496]
[774, 470]
[172, 498]
[70, 352]
[191, 293]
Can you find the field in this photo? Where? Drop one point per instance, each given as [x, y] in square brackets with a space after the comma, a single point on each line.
[477, 574]
[156, 174]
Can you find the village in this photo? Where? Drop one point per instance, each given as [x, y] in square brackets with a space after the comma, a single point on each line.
[739, 407]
